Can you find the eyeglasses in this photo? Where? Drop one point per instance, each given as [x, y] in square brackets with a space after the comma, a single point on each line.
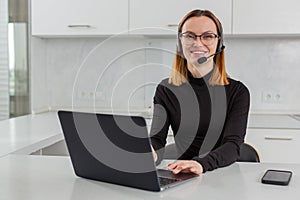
[190, 38]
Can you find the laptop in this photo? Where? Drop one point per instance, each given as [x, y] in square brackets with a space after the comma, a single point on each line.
[115, 149]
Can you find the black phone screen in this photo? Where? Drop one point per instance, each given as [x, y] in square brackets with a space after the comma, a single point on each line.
[277, 177]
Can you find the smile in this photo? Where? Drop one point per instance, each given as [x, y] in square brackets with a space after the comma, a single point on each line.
[199, 52]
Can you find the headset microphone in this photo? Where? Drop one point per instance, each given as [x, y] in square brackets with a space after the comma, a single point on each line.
[204, 59]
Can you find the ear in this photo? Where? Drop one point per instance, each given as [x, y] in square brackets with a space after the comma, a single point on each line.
[179, 46]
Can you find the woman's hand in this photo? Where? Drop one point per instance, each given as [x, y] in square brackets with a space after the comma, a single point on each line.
[186, 166]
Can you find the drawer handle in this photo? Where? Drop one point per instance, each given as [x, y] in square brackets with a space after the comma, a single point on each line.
[278, 138]
[172, 25]
[80, 26]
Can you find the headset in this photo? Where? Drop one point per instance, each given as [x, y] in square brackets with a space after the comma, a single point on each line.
[220, 45]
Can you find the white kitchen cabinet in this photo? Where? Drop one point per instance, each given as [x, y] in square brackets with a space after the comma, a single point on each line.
[77, 17]
[164, 16]
[266, 17]
[57, 149]
[276, 145]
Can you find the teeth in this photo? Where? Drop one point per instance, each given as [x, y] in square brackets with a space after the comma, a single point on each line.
[198, 52]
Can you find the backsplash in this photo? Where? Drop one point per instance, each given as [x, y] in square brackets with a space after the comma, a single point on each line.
[121, 73]
[270, 68]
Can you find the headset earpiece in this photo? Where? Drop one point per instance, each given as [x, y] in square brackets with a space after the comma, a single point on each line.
[220, 46]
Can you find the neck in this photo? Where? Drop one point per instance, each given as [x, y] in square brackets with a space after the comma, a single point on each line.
[198, 71]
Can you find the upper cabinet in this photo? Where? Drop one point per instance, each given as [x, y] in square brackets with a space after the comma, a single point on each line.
[163, 17]
[99, 17]
[77, 17]
[266, 17]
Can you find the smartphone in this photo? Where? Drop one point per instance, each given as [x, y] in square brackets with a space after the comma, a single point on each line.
[277, 177]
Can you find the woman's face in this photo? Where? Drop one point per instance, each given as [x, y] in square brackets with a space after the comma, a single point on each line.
[194, 48]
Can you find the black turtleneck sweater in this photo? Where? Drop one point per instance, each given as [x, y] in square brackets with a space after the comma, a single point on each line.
[208, 122]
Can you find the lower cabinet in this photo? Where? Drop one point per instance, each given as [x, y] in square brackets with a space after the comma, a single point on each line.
[275, 145]
[56, 149]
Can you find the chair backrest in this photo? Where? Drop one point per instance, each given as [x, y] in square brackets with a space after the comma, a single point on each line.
[247, 153]
[170, 151]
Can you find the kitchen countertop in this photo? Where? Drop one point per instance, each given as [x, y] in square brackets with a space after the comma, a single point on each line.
[272, 121]
[27, 134]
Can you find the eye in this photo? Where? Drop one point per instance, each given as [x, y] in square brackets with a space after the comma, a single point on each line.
[190, 36]
[208, 36]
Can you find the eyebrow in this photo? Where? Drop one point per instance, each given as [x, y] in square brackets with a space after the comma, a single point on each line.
[201, 33]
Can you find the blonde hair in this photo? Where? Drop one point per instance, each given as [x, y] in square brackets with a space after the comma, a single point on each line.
[179, 70]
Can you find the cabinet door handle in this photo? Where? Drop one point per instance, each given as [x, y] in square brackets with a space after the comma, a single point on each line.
[172, 25]
[79, 26]
[278, 138]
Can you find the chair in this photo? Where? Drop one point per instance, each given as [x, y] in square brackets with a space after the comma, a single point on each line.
[247, 153]
[170, 152]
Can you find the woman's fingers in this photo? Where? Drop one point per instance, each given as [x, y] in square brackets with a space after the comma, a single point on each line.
[186, 166]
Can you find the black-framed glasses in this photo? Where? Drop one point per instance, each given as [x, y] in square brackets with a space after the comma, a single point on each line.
[190, 38]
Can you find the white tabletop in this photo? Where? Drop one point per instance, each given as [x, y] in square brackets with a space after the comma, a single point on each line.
[26, 134]
[41, 177]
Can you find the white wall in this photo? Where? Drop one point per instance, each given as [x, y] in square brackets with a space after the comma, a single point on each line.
[39, 91]
[121, 73]
[98, 72]
[268, 66]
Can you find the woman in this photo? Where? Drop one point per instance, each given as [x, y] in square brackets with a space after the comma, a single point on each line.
[206, 109]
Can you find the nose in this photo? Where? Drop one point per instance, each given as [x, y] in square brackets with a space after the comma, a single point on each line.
[198, 41]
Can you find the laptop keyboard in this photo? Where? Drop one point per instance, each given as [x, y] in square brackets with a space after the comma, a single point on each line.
[165, 181]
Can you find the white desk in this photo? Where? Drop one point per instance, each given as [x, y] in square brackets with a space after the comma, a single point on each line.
[26, 134]
[41, 177]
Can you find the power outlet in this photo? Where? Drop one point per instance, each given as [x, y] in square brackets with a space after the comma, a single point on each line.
[100, 96]
[82, 95]
[86, 95]
[271, 97]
